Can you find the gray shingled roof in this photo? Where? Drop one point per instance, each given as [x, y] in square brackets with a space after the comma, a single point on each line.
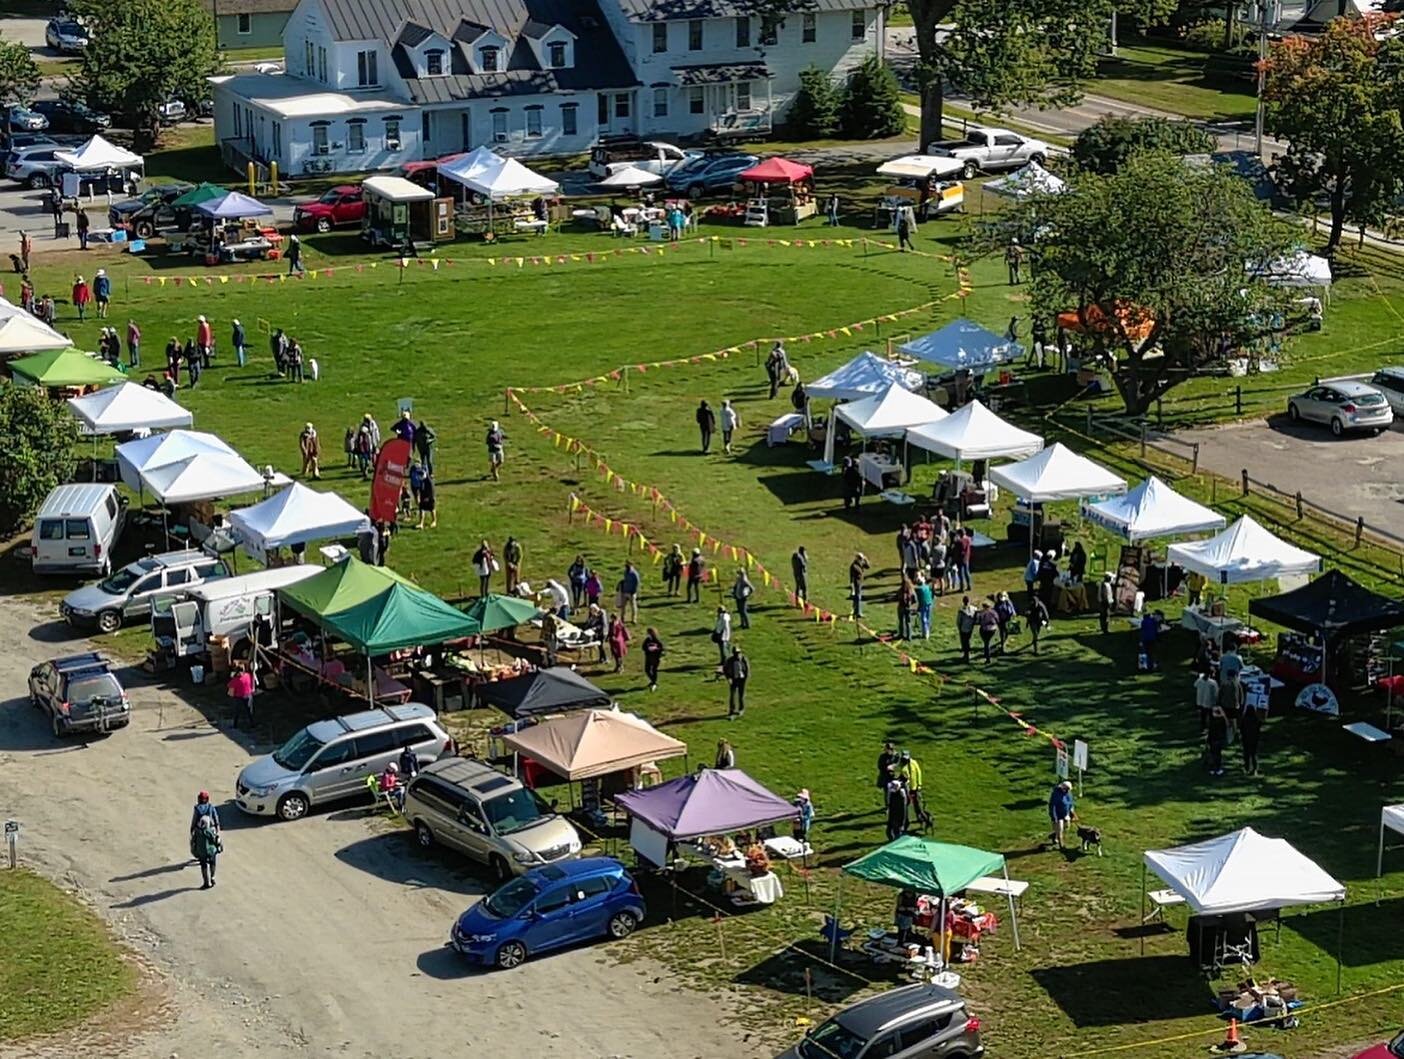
[672, 10]
[720, 73]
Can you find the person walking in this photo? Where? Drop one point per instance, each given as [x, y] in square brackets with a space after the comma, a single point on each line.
[496, 448]
[403, 428]
[593, 587]
[896, 809]
[831, 210]
[484, 563]
[26, 248]
[629, 586]
[1038, 621]
[729, 422]
[673, 564]
[721, 634]
[777, 367]
[1250, 734]
[193, 367]
[909, 772]
[239, 342]
[618, 640]
[799, 567]
[886, 767]
[904, 230]
[310, 446]
[241, 691]
[82, 295]
[925, 600]
[964, 551]
[741, 591]
[204, 809]
[1031, 574]
[204, 340]
[696, 570]
[852, 483]
[987, 621]
[936, 557]
[706, 425]
[1106, 599]
[133, 344]
[1206, 697]
[653, 651]
[737, 670]
[205, 847]
[1230, 674]
[1149, 633]
[1004, 614]
[906, 603]
[102, 292]
[84, 223]
[1061, 809]
[575, 576]
[965, 626]
[424, 438]
[726, 755]
[800, 831]
[294, 255]
[428, 503]
[1216, 738]
[856, 571]
[1014, 260]
[512, 556]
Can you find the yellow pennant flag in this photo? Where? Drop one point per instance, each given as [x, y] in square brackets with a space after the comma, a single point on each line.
[574, 502]
[312, 273]
[657, 557]
[224, 279]
[609, 525]
[521, 261]
[701, 538]
[162, 280]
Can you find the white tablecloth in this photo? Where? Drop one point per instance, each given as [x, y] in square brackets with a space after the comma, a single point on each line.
[779, 431]
[1208, 625]
[765, 889]
[875, 468]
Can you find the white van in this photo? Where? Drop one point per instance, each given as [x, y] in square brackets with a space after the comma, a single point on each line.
[77, 528]
[184, 623]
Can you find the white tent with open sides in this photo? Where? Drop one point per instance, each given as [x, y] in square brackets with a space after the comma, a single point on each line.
[890, 413]
[1056, 473]
[863, 376]
[1032, 179]
[188, 465]
[1391, 819]
[98, 155]
[22, 332]
[1302, 269]
[474, 162]
[1151, 510]
[295, 515]
[1244, 552]
[963, 344]
[128, 406]
[974, 433]
[503, 181]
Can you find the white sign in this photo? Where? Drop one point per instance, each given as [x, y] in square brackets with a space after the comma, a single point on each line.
[1079, 755]
[404, 404]
[1061, 763]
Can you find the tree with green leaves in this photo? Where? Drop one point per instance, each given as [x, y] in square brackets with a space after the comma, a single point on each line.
[1000, 53]
[1105, 146]
[872, 102]
[1336, 100]
[1157, 258]
[817, 112]
[19, 75]
[142, 53]
[40, 442]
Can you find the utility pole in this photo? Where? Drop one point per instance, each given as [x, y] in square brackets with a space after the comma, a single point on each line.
[1263, 8]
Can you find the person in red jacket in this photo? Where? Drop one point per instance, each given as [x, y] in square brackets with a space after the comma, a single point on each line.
[82, 295]
[204, 341]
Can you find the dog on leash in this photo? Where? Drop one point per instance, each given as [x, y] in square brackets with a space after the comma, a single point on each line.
[1091, 839]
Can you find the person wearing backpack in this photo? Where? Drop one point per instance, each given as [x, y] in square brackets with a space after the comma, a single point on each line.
[741, 591]
[652, 656]
[205, 846]
[737, 669]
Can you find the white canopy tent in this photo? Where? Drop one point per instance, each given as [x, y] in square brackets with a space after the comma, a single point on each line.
[974, 433]
[1301, 269]
[295, 515]
[1032, 179]
[128, 406]
[920, 166]
[863, 376]
[473, 162]
[1150, 510]
[203, 476]
[1244, 552]
[22, 333]
[631, 176]
[98, 155]
[503, 181]
[134, 458]
[890, 413]
[1391, 819]
[964, 344]
[1056, 473]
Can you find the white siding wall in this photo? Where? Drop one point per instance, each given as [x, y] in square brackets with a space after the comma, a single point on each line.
[307, 24]
[447, 132]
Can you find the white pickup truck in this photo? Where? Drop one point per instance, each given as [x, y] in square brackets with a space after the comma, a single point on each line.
[652, 156]
[988, 150]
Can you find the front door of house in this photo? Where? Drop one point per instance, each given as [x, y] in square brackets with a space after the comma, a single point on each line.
[605, 111]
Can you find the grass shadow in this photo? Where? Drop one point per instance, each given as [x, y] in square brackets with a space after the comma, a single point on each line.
[1086, 992]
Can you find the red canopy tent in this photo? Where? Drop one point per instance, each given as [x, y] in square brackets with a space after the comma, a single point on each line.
[1135, 321]
[777, 171]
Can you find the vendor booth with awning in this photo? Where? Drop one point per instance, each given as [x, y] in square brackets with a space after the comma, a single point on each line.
[886, 415]
[593, 743]
[1229, 882]
[495, 180]
[22, 332]
[64, 369]
[294, 516]
[1391, 819]
[1244, 552]
[1150, 510]
[963, 345]
[127, 407]
[973, 432]
[542, 692]
[782, 192]
[233, 230]
[97, 165]
[866, 375]
[185, 466]
[1055, 473]
[1026, 182]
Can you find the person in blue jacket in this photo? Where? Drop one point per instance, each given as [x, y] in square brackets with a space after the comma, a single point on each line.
[1060, 810]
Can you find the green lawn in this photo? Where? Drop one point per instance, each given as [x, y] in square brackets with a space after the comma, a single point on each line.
[58, 965]
[822, 700]
[1173, 80]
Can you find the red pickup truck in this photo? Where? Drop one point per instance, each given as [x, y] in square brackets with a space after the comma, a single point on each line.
[338, 206]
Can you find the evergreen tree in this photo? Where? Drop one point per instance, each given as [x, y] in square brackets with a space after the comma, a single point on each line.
[817, 112]
[872, 105]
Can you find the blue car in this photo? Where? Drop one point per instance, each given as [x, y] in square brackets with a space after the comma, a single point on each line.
[710, 172]
[549, 908]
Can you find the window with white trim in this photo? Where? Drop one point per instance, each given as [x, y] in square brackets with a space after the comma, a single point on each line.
[319, 139]
[367, 69]
[533, 123]
[434, 62]
[696, 102]
[499, 126]
[858, 27]
[355, 137]
[809, 28]
[743, 95]
[277, 140]
[660, 37]
[770, 30]
[309, 58]
[743, 31]
[238, 121]
[556, 55]
[694, 35]
[321, 63]
[660, 102]
[621, 104]
[245, 24]
[392, 134]
[487, 59]
[570, 124]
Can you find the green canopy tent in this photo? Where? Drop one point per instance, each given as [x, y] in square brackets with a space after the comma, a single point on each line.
[937, 868]
[492, 613]
[339, 587]
[203, 192]
[63, 367]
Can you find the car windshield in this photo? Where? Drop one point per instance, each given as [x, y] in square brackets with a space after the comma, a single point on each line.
[98, 685]
[122, 580]
[334, 195]
[514, 811]
[1369, 398]
[297, 751]
[71, 29]
[832, 1041]
[512, 898]
[1396, 1046]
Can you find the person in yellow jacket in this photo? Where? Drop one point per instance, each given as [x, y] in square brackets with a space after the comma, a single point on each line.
[909, 772]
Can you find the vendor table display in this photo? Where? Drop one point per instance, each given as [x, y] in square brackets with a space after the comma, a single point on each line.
[879, 470]
[1214, 627]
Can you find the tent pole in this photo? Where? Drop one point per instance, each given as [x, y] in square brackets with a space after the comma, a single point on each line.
[1013, 914]
[1379, 866]
[834, 934]
[1142, 931]
[1340, 945]
[941, 910]
[370, 681]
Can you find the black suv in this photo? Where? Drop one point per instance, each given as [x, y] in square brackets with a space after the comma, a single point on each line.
[148, 211]
[80, 693]
[911, 1022]
[70, 117]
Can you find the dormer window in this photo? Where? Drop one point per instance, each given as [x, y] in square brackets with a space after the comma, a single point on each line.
[434, 63]
[556, 52]
[487, 59]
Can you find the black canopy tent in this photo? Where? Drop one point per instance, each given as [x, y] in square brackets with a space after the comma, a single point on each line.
[554, 690]
[1332, 605]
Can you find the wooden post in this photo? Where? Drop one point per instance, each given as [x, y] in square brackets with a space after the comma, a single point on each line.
[507, 401]
[1245, 481]
[1359, 530]
[1089, 420]
[1145, 429]
[1238, 400]
[1213, 487]
[1194, 463]
[1159, 415]
[1299, 504]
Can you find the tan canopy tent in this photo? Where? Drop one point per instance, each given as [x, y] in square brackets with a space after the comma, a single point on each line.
[594, 743]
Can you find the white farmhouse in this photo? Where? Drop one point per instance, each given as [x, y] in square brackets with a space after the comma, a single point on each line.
[374, 84]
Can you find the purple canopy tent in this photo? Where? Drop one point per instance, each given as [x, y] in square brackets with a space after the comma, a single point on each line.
[233, 207]
[710, 802]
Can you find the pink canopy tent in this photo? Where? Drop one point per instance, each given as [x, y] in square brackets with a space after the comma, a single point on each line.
[777, 171]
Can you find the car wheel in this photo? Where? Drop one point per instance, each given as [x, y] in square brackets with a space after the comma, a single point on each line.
[109, 621]
[292, 806]
[423, 835]
[970, 172]
[1038, 158]
[622, 924]
[37, 181]
[1337, 427]
[500, 870]
[1292, 413]
[512, 954]
[323, 225]
[145, 229]
[696, 192]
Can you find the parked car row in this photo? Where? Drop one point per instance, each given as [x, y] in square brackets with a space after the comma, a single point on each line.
[1349, 405]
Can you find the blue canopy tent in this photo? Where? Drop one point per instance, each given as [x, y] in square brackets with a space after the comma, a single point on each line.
[963, 344]
[233, 207]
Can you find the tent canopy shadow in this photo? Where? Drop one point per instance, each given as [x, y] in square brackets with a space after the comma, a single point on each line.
[1172, 988]
[784, 971]
[1372, 932]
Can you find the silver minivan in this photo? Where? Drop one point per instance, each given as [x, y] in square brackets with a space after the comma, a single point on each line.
[473, 808]
[77, 528]
[331, 760]
[132, 590]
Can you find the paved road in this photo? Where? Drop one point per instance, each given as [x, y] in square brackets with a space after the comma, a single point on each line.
[1358, 477]
[322, 938]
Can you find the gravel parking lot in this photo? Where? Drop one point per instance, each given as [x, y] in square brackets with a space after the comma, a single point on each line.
[322, 938]
[1357, 476]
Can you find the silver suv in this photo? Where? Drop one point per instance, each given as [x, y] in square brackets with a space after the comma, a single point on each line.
[34, 166]
[471, 807]
[912, 1022]
[131, 591]
[331, 760]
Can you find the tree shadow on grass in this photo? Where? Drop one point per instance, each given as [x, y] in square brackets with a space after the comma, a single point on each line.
[1367, 935]
[1094, 994]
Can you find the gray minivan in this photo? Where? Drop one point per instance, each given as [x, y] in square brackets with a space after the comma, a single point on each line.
[76, 529]
[331, 760]
[131, 591]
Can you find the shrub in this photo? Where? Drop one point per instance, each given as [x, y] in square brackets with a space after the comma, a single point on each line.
[1105, 146]
[872, 105]
[1206, 36]
[40, 437]
[817, 112]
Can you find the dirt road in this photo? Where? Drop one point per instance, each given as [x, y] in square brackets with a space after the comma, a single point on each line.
[322, 938]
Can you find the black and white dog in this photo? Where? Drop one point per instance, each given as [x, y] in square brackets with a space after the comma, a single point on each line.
[1091, 839]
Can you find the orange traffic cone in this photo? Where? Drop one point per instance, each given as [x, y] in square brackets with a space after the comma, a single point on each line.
[1232, 1044]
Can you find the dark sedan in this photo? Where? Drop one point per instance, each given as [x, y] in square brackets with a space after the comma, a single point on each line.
[71, 117]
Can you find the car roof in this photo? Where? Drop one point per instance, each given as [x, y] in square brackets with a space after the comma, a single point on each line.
[75, 498]
[180, 558]
[470, 774]
[867, 1018]
[347, 189]
[367, 720]
[1394, 371]
[1351, 386]
[579, 869]
[88, 661]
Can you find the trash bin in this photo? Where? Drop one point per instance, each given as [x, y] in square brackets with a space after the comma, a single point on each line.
[61, 230]
[197, 674]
